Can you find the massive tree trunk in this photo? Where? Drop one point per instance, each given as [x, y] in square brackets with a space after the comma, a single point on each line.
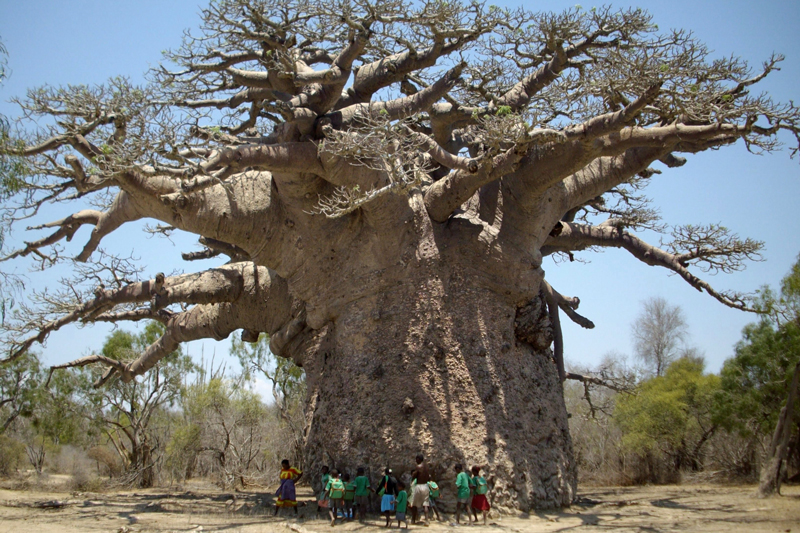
[439, 354]
[435, 367]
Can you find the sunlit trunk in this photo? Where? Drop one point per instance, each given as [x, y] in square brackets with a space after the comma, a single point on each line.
[437, 367]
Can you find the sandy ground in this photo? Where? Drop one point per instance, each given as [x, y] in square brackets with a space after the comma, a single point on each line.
[201, 508]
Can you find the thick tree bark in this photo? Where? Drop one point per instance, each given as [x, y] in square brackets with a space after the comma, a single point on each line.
[437, 366]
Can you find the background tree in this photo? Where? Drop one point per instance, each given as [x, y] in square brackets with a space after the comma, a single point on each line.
[128, 412]
[53, 418]
[760, 382]
[591, 401]
[18, 386]
[670, 415]
[386, 206]
[659, 333]
[11, 169]
[288, 386]
[229, 427]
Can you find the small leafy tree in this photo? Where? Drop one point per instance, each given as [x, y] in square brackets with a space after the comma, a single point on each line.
[128, 412]
[753, 381]
[40, 418]
[18, 383]
[670, 416]
[774, 354]
[759, 383]
[11, 170]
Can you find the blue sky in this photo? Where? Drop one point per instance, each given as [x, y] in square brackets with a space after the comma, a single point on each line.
[88, 41]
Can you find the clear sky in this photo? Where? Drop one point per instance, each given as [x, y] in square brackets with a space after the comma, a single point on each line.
[88, 41]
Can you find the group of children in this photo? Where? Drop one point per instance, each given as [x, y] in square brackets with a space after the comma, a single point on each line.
[340, 494]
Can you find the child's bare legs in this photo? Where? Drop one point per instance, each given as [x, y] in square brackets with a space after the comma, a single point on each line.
[485, 514]
[458, 512]
[332, 512]
[388, 518]
[436, 512]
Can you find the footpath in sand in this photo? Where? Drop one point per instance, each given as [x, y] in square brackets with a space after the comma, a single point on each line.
[686, 508]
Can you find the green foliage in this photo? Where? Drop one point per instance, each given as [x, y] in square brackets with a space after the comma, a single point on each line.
[12, 172]
[287, 379]
[59, 413]
[756, 379]
[670, 414]
[11, 168]
[503, 110]
[18, 389]
[133, 416]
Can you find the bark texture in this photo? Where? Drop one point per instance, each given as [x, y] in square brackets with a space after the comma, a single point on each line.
[769, 481]
[435, 367]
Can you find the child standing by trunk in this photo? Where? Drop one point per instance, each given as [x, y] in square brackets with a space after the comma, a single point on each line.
[479, 501]
[462, 486]
[335, 492]
[322, 499]
[401, 503]
[349, 496]
[362, 493]
[432, 496]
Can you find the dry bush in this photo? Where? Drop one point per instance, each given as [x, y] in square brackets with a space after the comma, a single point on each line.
[68, 459]
[83, 480]
[12, 455]
[106, 461]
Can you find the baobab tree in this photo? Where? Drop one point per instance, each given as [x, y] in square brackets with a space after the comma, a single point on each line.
[384, 182]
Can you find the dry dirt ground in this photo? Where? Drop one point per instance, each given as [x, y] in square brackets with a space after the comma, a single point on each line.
[198, 507]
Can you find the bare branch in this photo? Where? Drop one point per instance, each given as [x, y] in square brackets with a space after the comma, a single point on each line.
[223, 284]
[577, 237]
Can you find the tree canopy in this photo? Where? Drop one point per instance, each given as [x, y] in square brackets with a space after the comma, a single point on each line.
[568, 108]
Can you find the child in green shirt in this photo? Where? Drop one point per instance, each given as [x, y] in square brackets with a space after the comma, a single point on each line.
[401, 502]
[433, 495]
[462, 486]
[479, 500]
[335, 493]
[363, 489]
[349, 496]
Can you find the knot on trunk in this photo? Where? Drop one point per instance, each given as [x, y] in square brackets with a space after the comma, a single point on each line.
[532, 324]
[408, 406]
